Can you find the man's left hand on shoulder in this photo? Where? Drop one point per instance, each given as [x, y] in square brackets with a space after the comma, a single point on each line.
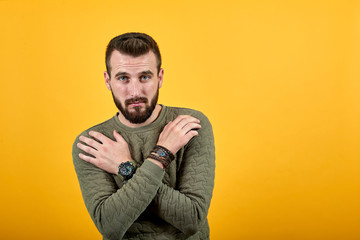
[106, 153]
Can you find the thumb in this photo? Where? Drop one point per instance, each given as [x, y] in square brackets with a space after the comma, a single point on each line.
[118, 137]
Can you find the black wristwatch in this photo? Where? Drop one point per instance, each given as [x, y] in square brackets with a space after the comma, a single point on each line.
[127, 169]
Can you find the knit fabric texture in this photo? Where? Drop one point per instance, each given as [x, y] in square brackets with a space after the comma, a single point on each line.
[153, 204]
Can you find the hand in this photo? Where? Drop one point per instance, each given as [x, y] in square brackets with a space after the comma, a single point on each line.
[178, 133]
[108, 154]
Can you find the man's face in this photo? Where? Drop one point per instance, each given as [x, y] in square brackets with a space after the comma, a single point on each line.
[134, 84]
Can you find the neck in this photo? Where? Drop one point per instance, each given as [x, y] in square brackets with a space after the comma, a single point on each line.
[152, 118]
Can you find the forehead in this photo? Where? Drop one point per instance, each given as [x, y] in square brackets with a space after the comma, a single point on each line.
[126, 63]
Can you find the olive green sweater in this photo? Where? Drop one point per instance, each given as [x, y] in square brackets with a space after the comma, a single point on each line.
[153, 204]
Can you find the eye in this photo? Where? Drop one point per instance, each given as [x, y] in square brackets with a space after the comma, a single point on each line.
[145, 77]
[122, 78]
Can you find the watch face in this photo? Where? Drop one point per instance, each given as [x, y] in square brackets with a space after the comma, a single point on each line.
[126, 169]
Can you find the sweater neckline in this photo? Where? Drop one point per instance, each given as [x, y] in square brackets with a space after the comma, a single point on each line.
[148, 127]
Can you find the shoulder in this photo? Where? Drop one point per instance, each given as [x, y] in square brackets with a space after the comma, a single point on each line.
[206, 127]
[176, 111]
[105, 128]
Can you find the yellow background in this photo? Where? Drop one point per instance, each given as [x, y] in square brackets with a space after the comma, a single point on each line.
[279, 80]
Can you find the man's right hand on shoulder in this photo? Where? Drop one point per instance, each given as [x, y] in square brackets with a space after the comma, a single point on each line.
[177, 133]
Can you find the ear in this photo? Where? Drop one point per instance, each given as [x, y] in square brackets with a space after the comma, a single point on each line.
[107, 80]
[161, 76]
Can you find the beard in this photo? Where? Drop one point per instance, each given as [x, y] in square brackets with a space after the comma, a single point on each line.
[137, 116]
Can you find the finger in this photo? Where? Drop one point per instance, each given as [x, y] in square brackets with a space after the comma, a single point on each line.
[118, 137]
[190, 135]
[88, 158]
[87, 149]
[188, 120]
[190, 126]
[90, 142]
[179, 122]
[167, 126]
[102, 138]
[178, 119]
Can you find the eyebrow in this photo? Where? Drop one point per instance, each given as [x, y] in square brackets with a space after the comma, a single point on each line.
[148, 72]
[121, 74]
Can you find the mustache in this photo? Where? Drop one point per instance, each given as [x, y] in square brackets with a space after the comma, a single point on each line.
[136, 100]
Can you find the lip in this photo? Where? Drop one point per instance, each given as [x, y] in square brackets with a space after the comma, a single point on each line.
[136, 104]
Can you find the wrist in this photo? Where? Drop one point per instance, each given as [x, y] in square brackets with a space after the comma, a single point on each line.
[161, 155]
[116, 165]
[171, 150]
[126, 169]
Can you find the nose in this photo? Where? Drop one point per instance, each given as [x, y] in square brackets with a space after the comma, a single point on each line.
[134, 88]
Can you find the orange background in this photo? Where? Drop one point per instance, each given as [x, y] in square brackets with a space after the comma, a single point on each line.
[279, 80]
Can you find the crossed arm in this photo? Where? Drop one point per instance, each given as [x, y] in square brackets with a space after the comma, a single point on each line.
[105, 154]
[185, 207]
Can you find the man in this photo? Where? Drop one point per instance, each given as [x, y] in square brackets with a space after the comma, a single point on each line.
[148, 172]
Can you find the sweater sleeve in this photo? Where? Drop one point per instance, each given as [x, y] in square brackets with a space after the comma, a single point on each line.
[186, 207]
[114, 210]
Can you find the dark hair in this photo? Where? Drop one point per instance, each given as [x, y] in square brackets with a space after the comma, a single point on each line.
[134, 44]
